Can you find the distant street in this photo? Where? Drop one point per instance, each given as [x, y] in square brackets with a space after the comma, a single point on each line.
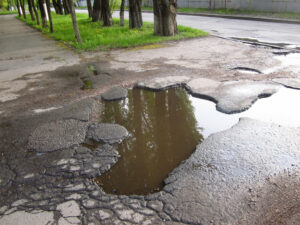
[262, 31]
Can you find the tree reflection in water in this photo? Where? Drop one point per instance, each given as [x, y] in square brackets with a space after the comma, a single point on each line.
[163, 132]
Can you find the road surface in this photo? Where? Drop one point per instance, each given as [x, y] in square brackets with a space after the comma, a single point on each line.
[269, 32]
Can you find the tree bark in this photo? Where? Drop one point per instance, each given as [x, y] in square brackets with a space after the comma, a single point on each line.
[60, 7]
[22, 2]
[96, 15]
[19, 8]
[43, 14]
[165, 23]
[106, 14]
[135, 14]
[122, 13]
[35, 12]
[89, 6]
[49, 14]
[57, 6]
[66, 6]
[30, 10]
[75, 26]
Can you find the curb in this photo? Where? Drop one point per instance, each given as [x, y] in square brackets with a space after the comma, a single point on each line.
[240, 17]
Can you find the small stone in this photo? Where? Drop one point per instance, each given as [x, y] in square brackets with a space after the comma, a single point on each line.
[107, 133]
[74, 168]
[137, 218]
[19, 202]
[89, 203]
[125, 214]
[115, 93]
[96, 165]
[77, 187]
[74, 197]
[29, 176]
[69, 209]
[104, 214]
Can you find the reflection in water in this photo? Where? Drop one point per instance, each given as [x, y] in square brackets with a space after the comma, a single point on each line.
[166, 126]
[164, 132]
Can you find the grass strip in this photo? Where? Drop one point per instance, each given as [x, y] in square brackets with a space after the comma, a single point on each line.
[6, 12]
[97, 37]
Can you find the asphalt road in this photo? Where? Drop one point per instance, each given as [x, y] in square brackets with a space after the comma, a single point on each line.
[270, 32]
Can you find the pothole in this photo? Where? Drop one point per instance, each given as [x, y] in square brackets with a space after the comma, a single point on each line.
[290, 61]
[247, 70]
[165, 128]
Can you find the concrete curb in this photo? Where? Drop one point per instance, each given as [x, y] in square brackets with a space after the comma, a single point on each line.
[240, 17]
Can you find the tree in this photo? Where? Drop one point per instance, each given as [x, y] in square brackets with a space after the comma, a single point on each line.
[43, 13]
[106, 13]
[135, 14]
[66, 7]
[22, 3]
[19, 8]
[122, 13]
[31, 10]
[35, 12]
[165, 23]
[89, 6]
[49, 14]
[58, 7]
[74, 21]
[96, 15]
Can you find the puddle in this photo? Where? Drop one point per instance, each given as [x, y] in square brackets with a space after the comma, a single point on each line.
[247, 70]
[163, 133]
[165, 128]
[289, 61]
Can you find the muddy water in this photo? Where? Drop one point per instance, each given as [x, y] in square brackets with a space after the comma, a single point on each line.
[166, 126]
[163, 133]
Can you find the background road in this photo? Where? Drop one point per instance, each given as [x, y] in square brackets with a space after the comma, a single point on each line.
[270, 32]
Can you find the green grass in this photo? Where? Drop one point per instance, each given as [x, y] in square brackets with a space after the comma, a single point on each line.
[95, 36]
[285, 15]
[5, 12]
[280, 15]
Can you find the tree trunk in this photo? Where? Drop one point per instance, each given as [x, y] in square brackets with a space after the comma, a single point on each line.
[66, 7]
[43, 14]
[106, 14]
[165, 23]
[96, 15]
[89, 6]
[19, 8]
[35, 12]
[122, 13]
[75, 27]
[57, 6]
[135, 14]
[30, 10]
[49, 14]
[23, 8]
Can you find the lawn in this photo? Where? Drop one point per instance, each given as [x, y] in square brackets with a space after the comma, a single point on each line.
[95, 36]
[6, 12]
[283, 15]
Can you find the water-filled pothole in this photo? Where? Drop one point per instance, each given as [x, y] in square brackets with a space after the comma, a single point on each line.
[165, 128]
[163, 133]
[289, 61]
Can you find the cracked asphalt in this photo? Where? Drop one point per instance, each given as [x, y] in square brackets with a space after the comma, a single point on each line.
[248, 174]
